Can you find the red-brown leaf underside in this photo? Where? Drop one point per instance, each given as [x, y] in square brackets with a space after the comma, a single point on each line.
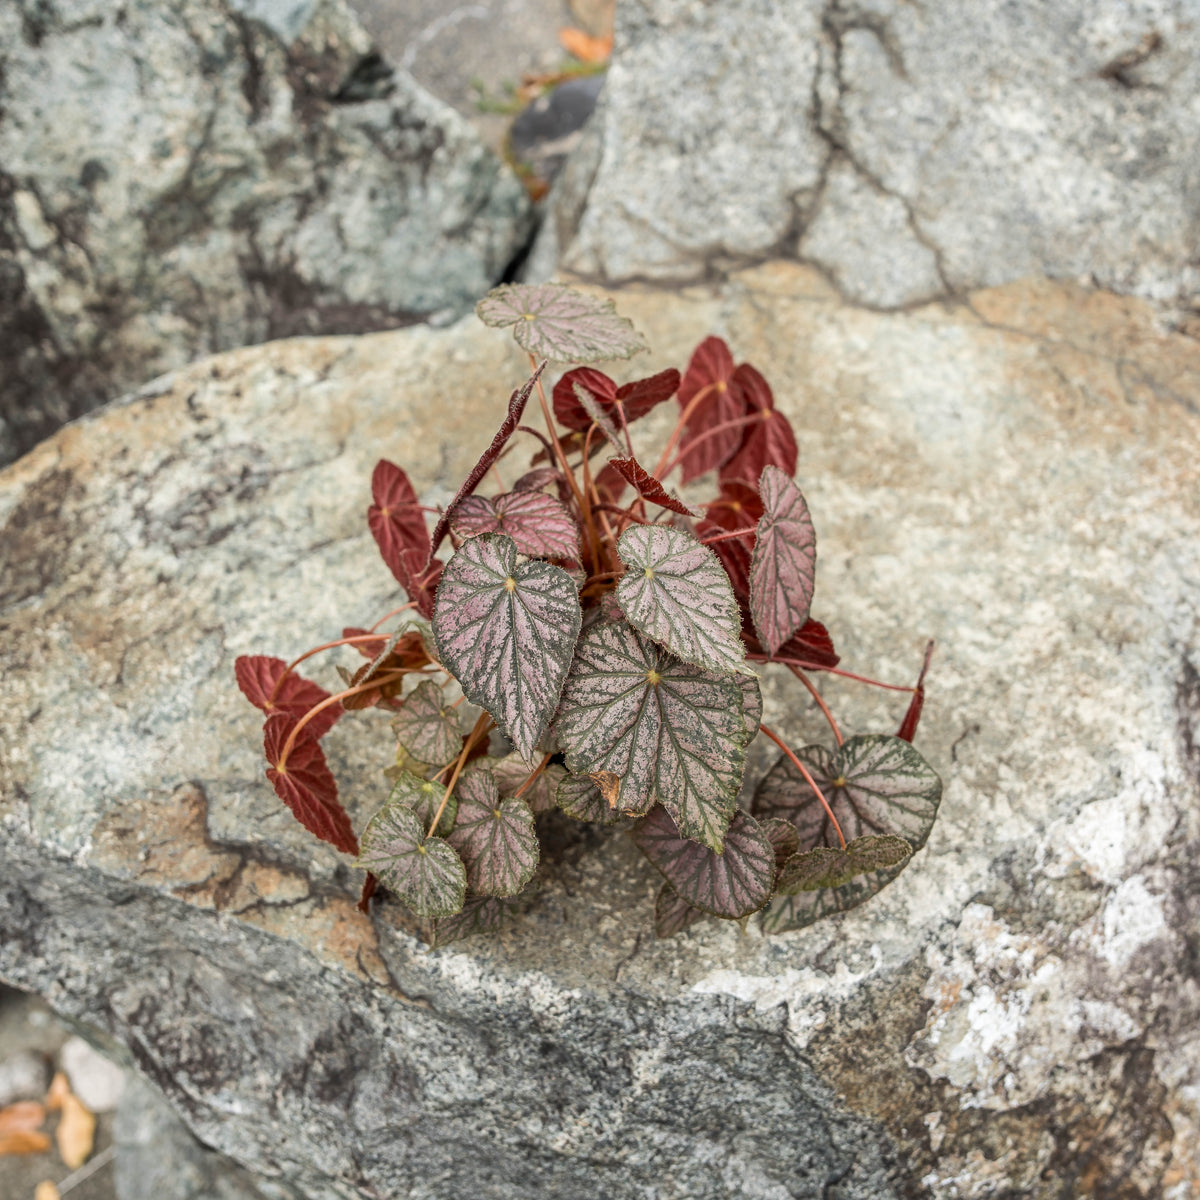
[257, 675]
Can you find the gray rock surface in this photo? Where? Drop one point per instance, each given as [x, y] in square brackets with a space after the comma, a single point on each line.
[179, 177]
[907, 150]
[1017, 1015]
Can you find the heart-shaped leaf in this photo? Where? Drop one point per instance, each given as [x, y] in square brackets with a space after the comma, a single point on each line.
[495, 838]
[427, 726]
[424, 872]
[650, 488]
[732, 884]
[669, 730]
[676, 592]
[305, 784]
[673, 914]
[580, 798]
[480, 914]
[634, 400]
[783, 567]
[707, 384]
[559, 323]
[424, 797]
[638, 398]
[875, 785]
[513, 771]
[257, 675]
[768, 440]
[506, 633]
[539, 525]
[830, 867]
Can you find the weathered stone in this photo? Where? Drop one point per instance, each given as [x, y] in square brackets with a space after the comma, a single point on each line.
[24, 1076]
[96, 1080]
[1017, 1014]
[179, 177]
[907, 150]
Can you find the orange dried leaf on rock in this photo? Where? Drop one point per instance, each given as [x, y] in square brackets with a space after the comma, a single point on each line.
[46, 1190]
[22, 1117]
[76, 1132]
[23, 1141]
[60, 1089]
[584, 47]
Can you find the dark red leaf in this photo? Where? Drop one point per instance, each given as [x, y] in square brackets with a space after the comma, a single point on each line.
[737, 507]
[642, 395]
[405, 651]
[610, 483]
[735, 558]
[711, 372]
[537, 479]
[367, 649]
[516, 407]
[908, 727]
[769, 440]
[397, 504]
[650, 488]
[257, 675]
[809, 646]
[370, 884]
[569, 412]
[305, 784]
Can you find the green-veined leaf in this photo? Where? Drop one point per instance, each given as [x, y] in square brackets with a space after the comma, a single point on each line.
[677, 592]
[831, 867]
[495, 838]
[732, 884]
[673, 914]
[552, 321]
[480, 914]
[424, 797]
[506, 633]
[580, 798]
[670, 730]
[539, 524]
[425, 873]
[427, 726]
[784, 563]
[752, 706]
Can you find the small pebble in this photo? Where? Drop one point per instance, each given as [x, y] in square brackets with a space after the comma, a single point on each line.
[94, 1079]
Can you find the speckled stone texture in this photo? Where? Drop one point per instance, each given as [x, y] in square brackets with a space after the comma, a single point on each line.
[1018, 1015]
[179, 177]
[909, 151]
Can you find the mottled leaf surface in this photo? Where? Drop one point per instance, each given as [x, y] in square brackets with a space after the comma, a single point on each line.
[650, 488]
[797, 912]
[784, 564]
[732, 884]
[676, 592]
[424, 797]
[427, 726]
[580, 798]
[671, 731]
[480, 914]
[495, 838]
[257, 675]
[305, 783]
[831, 867]
[673, 914]
[539, 525]
[507, 633]
[424, 872]
[512, 771]
[752, 706]
[559, 323]
[768, 439]
[707, 382]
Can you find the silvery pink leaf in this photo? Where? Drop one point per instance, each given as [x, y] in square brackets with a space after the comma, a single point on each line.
[495, 838]
[424, 797]
[559, 323]
[752, 705]
[650, 488]
[831, 867]
[784, 564]
[677, 592]
[427, 726]
[537, 479]
[511, 773]
[672, 914]
[784, 839]
[540, 525]
[425, 873]
[669, 730]
[580, 798]
[507, 633]
[480, 914]
[732, 884]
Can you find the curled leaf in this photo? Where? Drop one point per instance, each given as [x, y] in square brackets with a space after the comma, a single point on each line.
[552, 321]
[676, 592]
[380, 671]
[427, 727]
[784, 839]
[650, 488]
[507, 633]
[908, 727]
[539, 525]
[424, 872]
[495, 838]
[831, 867]
[581, 799]
[732, 884]
[304, 783]
[783, 566]
[257, 675]
[512, 773]
[671, 731]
